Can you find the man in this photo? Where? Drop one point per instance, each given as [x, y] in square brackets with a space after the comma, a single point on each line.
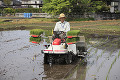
[62, 25]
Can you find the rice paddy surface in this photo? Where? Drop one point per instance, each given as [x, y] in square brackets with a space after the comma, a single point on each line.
[101, 26]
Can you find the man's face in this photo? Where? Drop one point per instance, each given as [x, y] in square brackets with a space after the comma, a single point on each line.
[62, 19]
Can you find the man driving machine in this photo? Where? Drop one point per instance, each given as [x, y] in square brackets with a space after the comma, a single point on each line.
[62, 25]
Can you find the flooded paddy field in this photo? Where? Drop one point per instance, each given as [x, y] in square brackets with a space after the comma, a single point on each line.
[23, 60]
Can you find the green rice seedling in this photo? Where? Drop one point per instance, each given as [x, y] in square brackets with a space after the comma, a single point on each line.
[35, 39]
[93, 53]
[103, 52]
[73, 33]
[107, 39]
[100, 44]
[110, 68]
[48, 33]
[118, 54]
[89, 39]
[96, 51]
[36, 32]
[75, 39]
[90, 50]
[100, 65]
[88, 46]
[100, 55]
[111, 52]
[97, 57]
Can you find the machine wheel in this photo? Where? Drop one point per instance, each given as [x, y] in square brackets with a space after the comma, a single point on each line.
[50, 59]
[68, 58]
[46, 58]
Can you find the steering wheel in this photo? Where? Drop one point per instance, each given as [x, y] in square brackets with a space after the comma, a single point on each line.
[58, 32]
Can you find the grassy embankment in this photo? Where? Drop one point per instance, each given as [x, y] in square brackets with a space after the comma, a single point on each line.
[100, 27]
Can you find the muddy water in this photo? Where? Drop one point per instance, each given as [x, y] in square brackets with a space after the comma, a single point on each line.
[23, 60]
[103, 60]
[19, 59]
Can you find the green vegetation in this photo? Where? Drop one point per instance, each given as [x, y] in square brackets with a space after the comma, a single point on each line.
[28, 10]
[75, 39]
[118, 54]
[48, 33]
[80, 19]
[73, 33]
[12, 11]
[55, 7]
[36, 32]
[9, 11]
[38, 39]
[40, 31]
[7, 2]
[111, 68]
[105, 27]
[99, 6]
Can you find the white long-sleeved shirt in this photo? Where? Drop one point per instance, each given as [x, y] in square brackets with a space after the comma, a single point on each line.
[65, 26]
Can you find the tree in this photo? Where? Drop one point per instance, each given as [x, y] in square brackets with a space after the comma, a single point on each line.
[93, 6]
[85, 5]
[9, 11]
[73, 6]
[46, 1]
[55, 7]
[99, 6]
[7, 2]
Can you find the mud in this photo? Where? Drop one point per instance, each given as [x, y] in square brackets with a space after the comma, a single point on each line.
[23, 60]
[14, 28]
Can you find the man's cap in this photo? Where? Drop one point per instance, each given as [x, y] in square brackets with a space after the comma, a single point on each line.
[62, 16]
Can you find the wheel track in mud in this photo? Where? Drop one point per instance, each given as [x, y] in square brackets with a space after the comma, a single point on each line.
[65, 74]
[77, 64]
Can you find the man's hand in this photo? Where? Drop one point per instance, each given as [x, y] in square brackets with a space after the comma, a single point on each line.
[64, 32]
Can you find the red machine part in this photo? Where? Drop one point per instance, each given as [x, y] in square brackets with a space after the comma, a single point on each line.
[35, 35]
[34, 42]
[70, 43]
[69, 36]
[57, 41]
